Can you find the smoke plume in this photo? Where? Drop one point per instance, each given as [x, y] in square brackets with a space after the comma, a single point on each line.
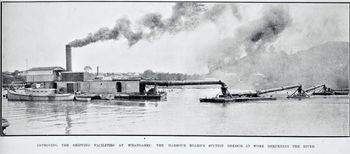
[267, 29]
[274, 21]
[186, 16]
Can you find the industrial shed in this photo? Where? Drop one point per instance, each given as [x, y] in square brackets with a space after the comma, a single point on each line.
[45, 76]
[101, 86]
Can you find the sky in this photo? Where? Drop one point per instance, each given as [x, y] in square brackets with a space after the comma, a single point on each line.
[38, 32]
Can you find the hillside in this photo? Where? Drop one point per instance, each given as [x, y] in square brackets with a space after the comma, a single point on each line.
[322, 64]
[326, 63]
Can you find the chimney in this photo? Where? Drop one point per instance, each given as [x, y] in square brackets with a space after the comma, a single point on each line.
[98, 70]
[68, 58]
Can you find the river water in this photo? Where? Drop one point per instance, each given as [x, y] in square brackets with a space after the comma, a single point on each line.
[181, 114]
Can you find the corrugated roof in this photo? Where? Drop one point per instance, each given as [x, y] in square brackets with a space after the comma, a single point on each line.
[55, 68]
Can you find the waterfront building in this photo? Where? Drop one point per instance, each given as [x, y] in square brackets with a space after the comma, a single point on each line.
[44, 76]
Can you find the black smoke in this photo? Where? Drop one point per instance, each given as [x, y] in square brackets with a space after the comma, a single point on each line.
[186, 16]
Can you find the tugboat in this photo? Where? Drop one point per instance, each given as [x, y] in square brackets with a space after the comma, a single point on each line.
[4, 125]
[40, 94]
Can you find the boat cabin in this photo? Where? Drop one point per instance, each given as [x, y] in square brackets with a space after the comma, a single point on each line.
[39, 91]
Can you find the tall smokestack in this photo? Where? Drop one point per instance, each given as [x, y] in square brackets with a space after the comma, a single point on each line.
[68, 58]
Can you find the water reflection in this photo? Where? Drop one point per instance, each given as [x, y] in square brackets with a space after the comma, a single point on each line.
[51, 112]
[58, 107]
[126, 103]
[68, 120]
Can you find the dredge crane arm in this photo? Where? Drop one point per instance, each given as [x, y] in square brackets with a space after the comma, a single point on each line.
[314, 87]
[259, 92]
[279, 89]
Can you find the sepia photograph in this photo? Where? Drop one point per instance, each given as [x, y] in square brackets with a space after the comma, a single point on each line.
[227, 69]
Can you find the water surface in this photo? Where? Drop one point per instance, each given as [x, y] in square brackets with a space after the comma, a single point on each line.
[181, 114]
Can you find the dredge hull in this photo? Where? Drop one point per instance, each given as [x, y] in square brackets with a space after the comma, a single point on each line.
[237, 99]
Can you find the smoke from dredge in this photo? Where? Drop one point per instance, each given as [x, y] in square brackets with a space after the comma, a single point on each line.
[267, 29]
[272, 23]
[252, 38]
[186, 16]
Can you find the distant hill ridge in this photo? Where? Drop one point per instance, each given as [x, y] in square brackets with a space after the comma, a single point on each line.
[326, 63]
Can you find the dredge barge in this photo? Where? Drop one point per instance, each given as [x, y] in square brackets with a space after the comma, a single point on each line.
[325, 91]
[243, 97]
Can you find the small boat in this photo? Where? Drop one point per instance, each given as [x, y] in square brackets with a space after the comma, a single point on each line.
[30, 94]
[84, 99]
[87, 97]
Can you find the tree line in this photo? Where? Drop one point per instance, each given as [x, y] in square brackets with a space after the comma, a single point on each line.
[12, 77]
